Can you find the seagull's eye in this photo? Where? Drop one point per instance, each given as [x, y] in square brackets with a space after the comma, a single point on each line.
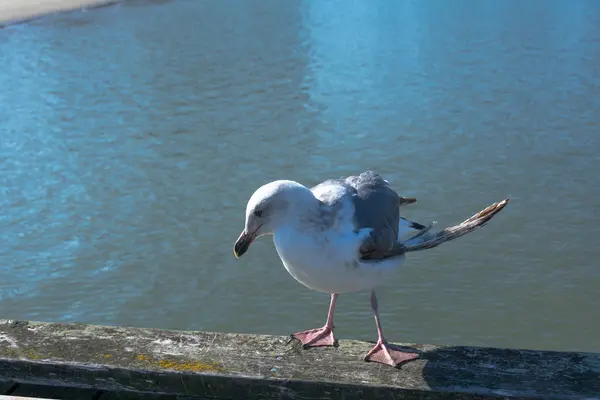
[258, 213]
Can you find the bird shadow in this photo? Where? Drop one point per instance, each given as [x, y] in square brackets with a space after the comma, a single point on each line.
[511, 372]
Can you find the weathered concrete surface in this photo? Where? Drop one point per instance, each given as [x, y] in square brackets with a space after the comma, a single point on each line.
[237, 366]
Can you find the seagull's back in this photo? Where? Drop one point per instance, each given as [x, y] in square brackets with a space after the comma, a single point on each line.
[375, 206]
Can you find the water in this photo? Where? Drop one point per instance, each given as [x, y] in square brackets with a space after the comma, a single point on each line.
[133, 135]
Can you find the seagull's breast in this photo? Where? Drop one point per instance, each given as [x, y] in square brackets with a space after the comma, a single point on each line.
[327, 261]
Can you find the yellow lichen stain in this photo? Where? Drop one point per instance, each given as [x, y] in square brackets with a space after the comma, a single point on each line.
[190, 366]
[181, 365]
[107, 356]
[31, 355]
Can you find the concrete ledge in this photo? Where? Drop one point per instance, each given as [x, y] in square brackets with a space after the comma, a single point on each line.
[116, 360]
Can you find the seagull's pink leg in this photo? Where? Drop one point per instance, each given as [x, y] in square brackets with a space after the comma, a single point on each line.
[383, 352]
[320, 336]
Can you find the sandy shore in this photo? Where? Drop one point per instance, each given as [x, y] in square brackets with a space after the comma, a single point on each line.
[12, 11]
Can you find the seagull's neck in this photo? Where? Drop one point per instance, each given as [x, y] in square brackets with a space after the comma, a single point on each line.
[301, 196]
[303, 206]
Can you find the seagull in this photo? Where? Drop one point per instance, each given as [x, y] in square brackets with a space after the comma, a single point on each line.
[344, 235]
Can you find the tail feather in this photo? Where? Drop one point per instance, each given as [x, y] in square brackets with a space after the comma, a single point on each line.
[425, 240]
[407, 227]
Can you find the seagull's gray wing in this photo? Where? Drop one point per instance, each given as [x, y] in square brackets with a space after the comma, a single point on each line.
[427, 240]
[376, 206]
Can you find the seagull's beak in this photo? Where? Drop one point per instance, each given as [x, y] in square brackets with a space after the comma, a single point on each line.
[407, 200]
[242, 244]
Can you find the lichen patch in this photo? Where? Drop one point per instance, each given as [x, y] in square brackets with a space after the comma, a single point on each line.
[182, 366]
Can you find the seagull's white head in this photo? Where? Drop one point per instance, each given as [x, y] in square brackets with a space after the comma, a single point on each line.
[270, 207]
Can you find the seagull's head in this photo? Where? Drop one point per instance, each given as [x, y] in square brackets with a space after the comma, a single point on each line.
[268, 209]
